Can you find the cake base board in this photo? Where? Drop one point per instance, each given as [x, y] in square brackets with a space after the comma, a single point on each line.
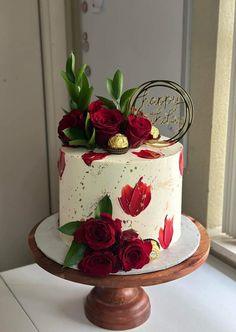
[51, 244]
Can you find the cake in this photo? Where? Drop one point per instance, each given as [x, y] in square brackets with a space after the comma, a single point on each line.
[120, 184]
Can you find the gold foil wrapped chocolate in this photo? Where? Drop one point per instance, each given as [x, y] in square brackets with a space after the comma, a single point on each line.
[155, 132]
[155, 250]
[118, 144]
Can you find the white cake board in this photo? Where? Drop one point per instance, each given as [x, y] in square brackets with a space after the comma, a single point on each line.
[50, 243]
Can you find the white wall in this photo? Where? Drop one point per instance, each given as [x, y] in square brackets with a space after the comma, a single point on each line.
[24, 196]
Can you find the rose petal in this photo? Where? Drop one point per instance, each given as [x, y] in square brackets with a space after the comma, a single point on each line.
[91, 156]
[148, 154]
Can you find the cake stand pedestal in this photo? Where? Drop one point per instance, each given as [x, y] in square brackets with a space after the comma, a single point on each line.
[118, 302]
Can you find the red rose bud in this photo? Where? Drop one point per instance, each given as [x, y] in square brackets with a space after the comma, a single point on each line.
[99, 233]
[134, 200]
[99, 263]
[61, 164]
[107, 124]
[134, 254]
[138, 130]
[71, 120]
[181, 163]
[148, 154]
[166, 234]
[91, 156]
[95, 106]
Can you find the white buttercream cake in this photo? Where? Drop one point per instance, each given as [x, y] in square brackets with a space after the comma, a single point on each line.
[158, 184]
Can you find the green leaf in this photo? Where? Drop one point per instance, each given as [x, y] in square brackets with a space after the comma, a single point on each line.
[75, 254]
[73, 105]
[79, 74]
[117, 84]
[65, 111]
[88, 125]
[109, 88]
[107, 102]
[70, 227]
[70, 67]
[92, 143]
[73, 90]
[78, 142]
[85, 94]
[104, 205]
[125, 99]
[74, 133]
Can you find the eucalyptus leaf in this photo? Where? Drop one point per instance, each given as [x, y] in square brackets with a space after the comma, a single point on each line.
[75, 254]
[70, 67]
[117, 84]
[107, 102]
[71, 227]
[104, 206]
[74, 133]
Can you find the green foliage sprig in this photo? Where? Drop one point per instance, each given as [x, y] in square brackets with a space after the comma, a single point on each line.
[119, 100]
[77, 84]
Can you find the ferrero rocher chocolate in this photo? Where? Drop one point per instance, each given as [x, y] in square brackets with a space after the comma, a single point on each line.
[155, 132]
[155, 250]
[118, 144]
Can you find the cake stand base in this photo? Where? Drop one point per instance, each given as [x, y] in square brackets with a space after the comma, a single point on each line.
[117, 302]
[105, 307]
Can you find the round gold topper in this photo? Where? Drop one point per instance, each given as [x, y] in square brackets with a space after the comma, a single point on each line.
[172, 114]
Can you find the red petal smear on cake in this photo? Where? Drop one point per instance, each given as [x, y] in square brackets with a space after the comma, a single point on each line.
[61, 164]
[91, 156]
[181, 163]
[134, 200]
[166, 234]
[148, 154]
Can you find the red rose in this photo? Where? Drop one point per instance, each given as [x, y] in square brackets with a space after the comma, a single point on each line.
[128, 235]
[99, 263]
[95, 106]
[71, 120]
[134, 254]
[99, 233]
[138, 130]
[107, 123]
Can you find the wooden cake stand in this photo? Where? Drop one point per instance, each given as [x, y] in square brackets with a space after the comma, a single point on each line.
[118, 302]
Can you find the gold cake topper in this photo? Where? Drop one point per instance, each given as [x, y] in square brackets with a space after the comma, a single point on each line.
[171, 113]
